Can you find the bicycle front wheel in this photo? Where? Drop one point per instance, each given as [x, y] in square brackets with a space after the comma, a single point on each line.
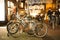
[41, 30]
[12, 28]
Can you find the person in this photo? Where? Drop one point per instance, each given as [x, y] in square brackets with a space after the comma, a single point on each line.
[53, 20]
[57, 13]
[57, 16]
[49, 13]
[54, 16]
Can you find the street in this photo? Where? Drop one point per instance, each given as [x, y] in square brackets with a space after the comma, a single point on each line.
[51, 35]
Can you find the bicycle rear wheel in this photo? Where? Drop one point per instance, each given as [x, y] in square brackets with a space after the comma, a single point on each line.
[32, 28]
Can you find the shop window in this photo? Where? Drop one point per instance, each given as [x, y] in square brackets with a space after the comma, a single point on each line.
[2, 10]
[10, 8]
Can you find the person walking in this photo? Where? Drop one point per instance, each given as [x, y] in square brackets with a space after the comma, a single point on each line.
[49, 13]
[57, 16]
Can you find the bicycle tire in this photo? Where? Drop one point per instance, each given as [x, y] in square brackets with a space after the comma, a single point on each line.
[40, 32]
[11, 23]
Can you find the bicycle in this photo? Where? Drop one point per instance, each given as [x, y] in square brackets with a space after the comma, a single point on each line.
[29, 25]
[41, 28]
[13, 27]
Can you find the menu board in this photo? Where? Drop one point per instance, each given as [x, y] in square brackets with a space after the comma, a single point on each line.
[2, 10]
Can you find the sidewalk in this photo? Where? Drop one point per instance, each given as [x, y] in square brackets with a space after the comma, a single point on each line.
[51, 35]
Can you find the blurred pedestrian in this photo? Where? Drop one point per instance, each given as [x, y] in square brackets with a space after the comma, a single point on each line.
[57, 16]
[49, 13]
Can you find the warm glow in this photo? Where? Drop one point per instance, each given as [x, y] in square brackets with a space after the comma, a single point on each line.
[12, 4]
[41, 14]
[9, 11]
[34, 10]
[49, 6]
[21, 5]
[34, 14]
[8, 3]
[59, 9]
[21, 11]
[17, 0]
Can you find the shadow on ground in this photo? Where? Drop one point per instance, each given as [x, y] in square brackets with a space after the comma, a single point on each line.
[47, 38]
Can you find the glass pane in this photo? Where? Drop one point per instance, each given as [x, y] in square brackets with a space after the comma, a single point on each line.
[2, 10]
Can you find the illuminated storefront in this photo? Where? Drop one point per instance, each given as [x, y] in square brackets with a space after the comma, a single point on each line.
[26, 6]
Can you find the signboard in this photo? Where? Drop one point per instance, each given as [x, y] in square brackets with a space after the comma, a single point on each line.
[2, 10]
[36, 1]
[33, 1]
